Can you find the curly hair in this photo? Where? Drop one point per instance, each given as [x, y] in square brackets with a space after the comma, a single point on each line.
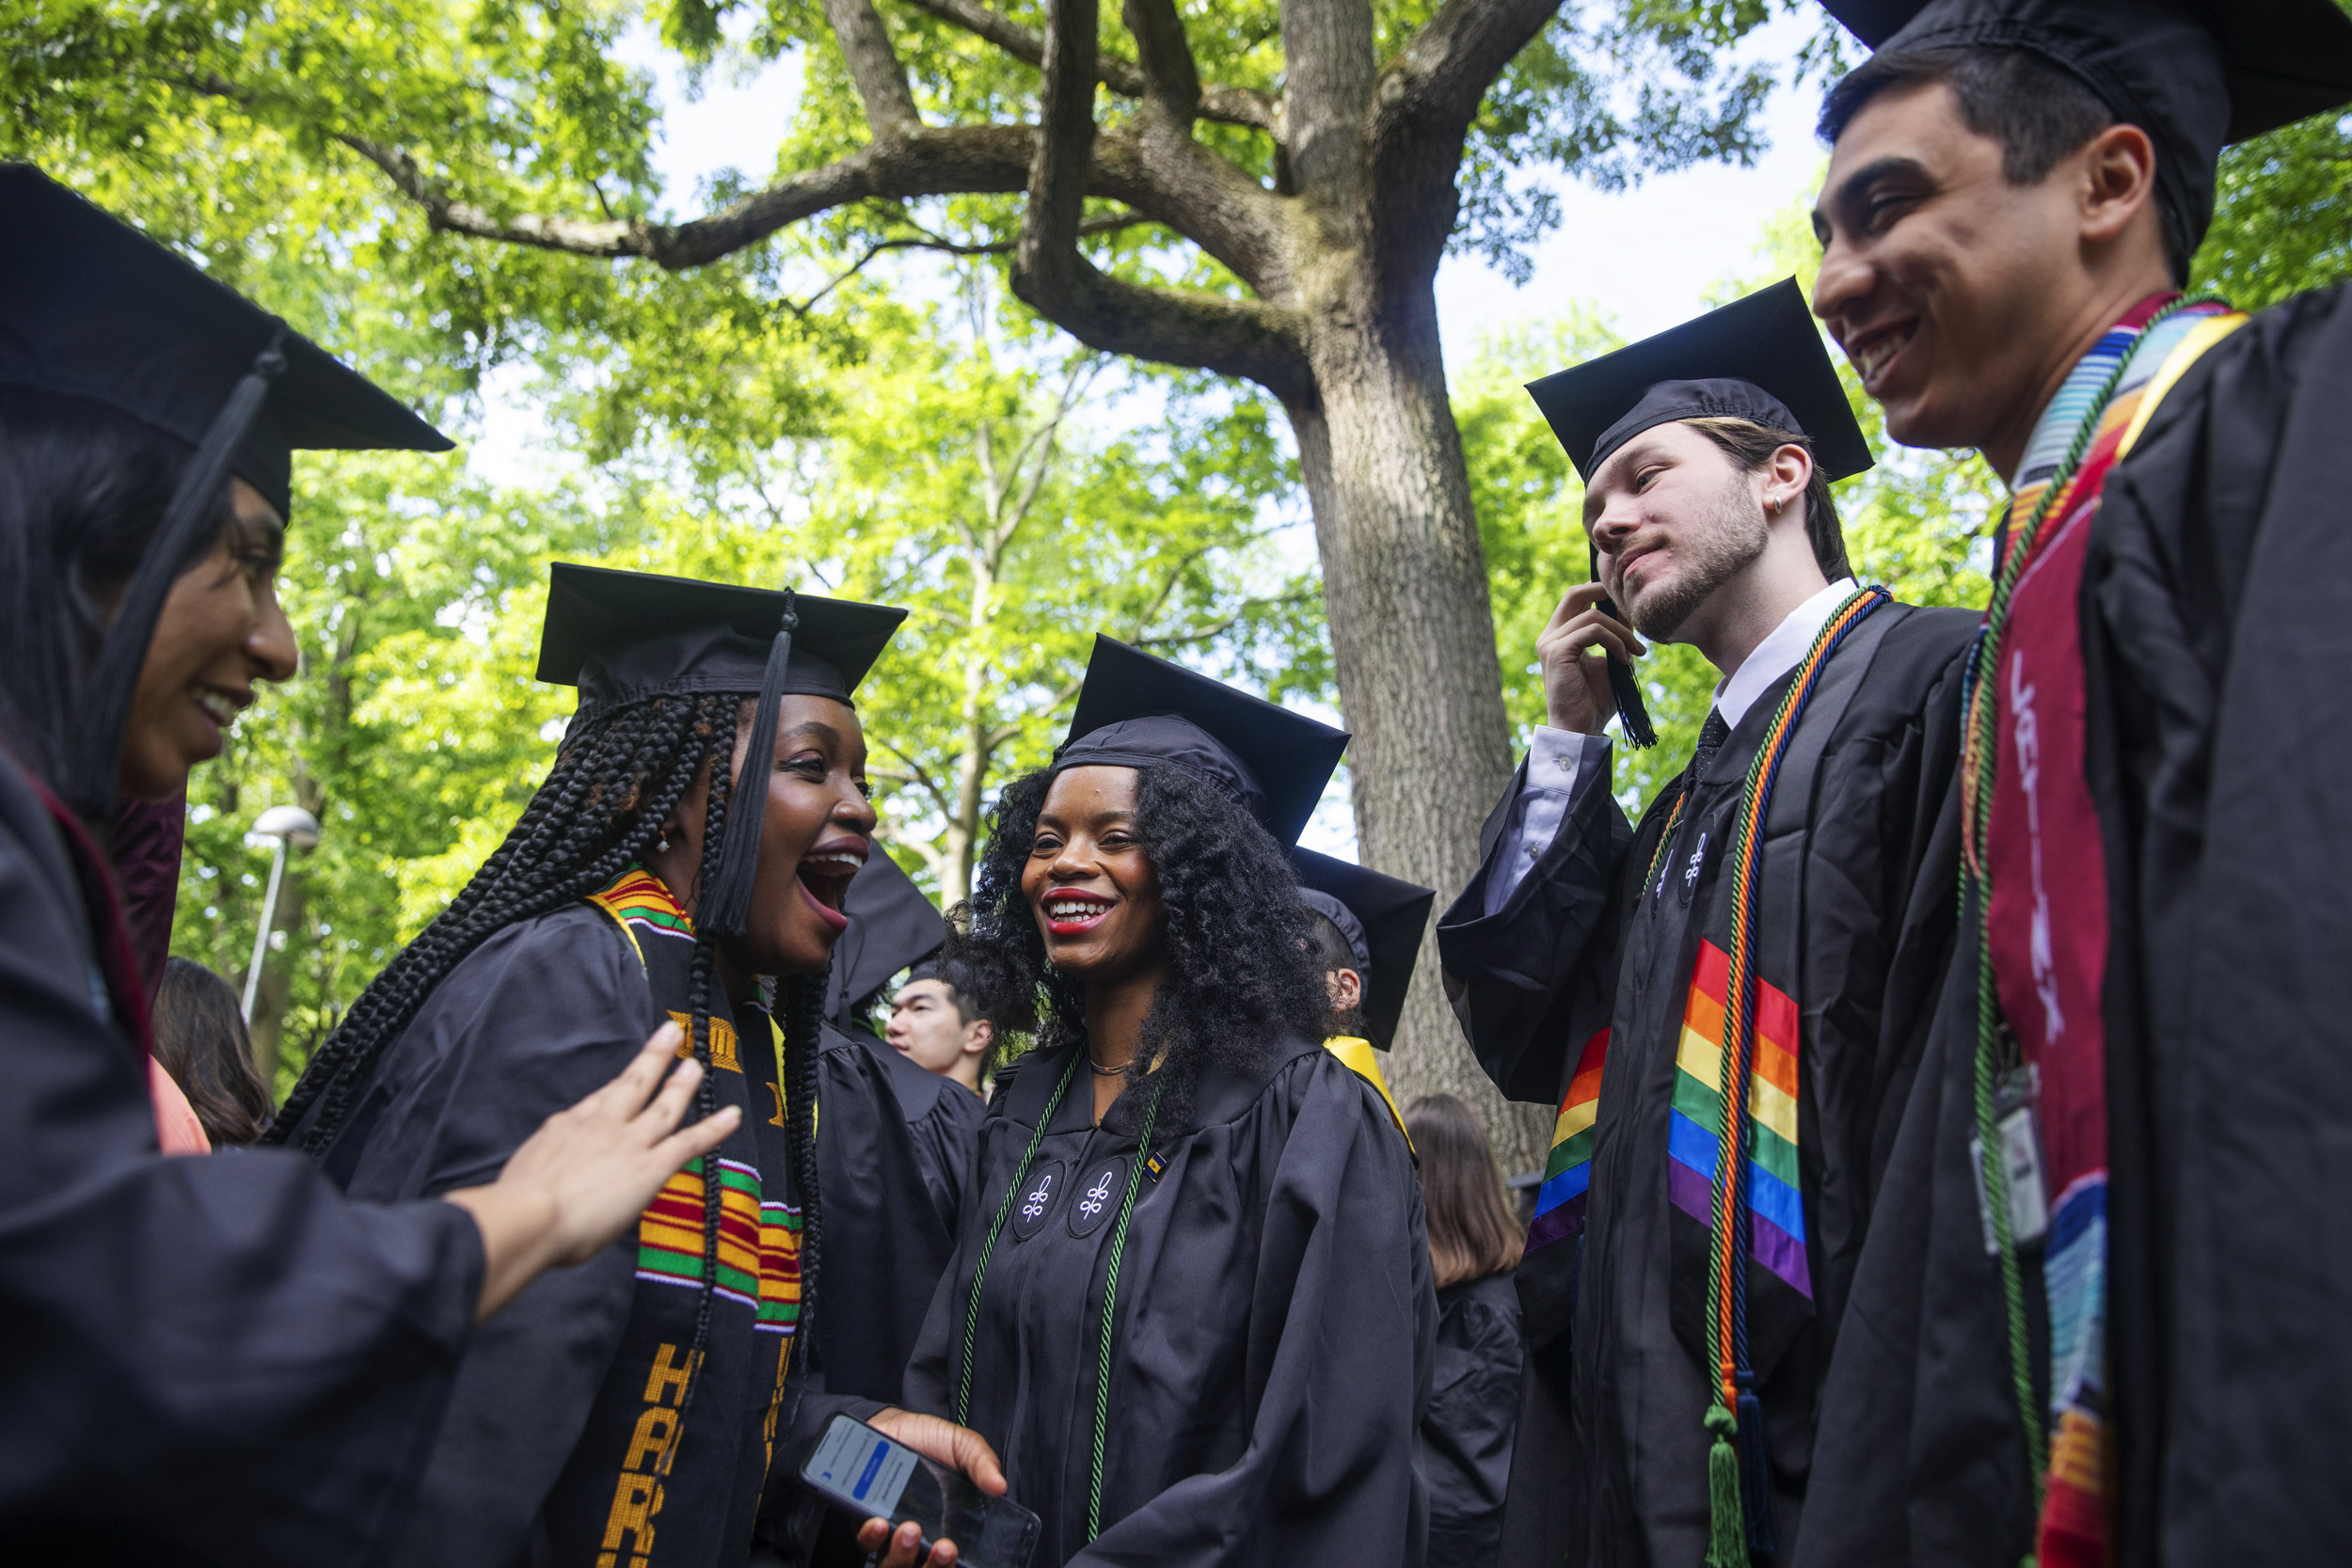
[615, 783]
[1242, 972]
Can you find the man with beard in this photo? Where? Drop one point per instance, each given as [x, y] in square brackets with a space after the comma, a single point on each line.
[1766, 942]
[2122, 1174]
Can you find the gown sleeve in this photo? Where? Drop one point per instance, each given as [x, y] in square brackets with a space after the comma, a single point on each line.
[1341, 1325]
[218, 1358]
[538, 1017]
[1522, 980]
[1466, 1437]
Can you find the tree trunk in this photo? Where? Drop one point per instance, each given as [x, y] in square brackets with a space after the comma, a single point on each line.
[1412, 636]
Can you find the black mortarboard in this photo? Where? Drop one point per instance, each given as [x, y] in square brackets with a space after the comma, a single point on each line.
[622, 637]
[1137, 711]
[2195, 74]
[1760, 358]
[892, 927]
[93, 310]
[1382, 918]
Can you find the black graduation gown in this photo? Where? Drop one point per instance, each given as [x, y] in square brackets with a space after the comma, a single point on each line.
[555, 1432]
[207, 1360]
[893, 1144]
[1466, 1435]
[2216, 632]
[1275, 1318]
[1855, 927]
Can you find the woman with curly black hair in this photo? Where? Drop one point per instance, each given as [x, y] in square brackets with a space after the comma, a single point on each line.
[686, 857]
[1190, 1301]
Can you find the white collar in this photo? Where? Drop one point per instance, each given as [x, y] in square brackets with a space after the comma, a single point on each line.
[1778, 653]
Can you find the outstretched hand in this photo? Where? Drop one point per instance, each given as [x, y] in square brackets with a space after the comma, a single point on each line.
[1573, 649]
[583, 1178]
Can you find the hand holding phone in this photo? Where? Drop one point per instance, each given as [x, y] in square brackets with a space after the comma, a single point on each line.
[868, 1476]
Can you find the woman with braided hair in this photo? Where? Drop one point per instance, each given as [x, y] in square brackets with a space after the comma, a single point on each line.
[630, 1411]
[1190, 1300]
[215, 1360]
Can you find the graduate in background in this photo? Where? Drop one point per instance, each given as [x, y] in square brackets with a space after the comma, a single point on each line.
[1768, 937]
[213, 1360]
[1366, 930]
[1190, 1304]
[1465, 1439]
[893, 1144]
[200, 1039]
[2134, 1352]
[935, 1024]
[687, 852]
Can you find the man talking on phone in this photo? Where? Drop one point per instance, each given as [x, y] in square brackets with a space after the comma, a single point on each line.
[1768, 939]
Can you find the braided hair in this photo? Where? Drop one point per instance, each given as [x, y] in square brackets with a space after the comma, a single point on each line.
[616, 782]
[1241, 972]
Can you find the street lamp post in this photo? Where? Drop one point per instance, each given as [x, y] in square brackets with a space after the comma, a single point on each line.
[289, 825]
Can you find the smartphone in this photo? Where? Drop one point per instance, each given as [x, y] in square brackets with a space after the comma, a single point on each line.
[863, 1473]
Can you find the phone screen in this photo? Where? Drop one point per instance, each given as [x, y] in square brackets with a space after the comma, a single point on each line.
[865, 1474]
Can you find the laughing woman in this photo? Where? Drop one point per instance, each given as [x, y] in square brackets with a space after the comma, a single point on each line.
[688, 852]
[1190, 1301]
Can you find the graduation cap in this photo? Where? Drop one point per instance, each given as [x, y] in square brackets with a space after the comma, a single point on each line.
[622, 637]
[91, 308]
[892, 927]
[1760, 358]
[1137, 711]
[1382, 918]
[2195, 74]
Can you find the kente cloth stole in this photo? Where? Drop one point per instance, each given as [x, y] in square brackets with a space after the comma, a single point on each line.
[2042, 854]
[759, 1237]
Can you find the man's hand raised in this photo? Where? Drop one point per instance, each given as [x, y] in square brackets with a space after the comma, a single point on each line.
[1574, 650]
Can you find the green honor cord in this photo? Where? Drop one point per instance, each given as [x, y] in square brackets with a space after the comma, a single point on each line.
[1110, 1282]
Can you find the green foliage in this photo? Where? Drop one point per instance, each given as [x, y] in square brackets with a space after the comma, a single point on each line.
[2279, 222]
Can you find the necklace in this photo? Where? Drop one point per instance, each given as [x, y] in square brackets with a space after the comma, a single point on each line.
[1100, 1071]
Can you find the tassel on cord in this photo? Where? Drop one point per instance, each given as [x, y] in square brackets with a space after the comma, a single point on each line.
[1726, 1534]
[1758, 1468]
[724, 908]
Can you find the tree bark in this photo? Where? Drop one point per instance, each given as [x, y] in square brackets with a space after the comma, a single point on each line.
[1412, 638]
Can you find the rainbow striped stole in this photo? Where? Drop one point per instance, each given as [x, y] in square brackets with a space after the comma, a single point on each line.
[1562, 1200]
[1774, 1199]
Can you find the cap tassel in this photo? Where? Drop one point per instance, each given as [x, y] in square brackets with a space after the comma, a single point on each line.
[1632, 713]
[725, 907]
[90, 772]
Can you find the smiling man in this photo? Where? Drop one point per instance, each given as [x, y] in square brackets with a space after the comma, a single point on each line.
[2128, 1135]
[1803, 862]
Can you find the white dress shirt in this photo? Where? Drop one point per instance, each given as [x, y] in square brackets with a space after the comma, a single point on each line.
[1561, 764]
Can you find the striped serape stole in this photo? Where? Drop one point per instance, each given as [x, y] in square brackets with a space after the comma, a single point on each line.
[1562, 1200]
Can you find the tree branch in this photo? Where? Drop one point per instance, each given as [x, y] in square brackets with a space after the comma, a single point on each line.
[1428, 98]
[1230, 337]
[874, 69]
[1171, 80]
[924, 239]
[1328, 51]
[1227, 105]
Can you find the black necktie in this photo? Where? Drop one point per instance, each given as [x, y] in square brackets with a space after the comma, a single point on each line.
[1712, 736]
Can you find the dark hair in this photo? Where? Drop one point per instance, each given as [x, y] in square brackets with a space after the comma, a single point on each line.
[1751, 446]
[2035, 108]
[1239, 974]
[83, 489]
[1472, 1229]
[615, 783]
[1329, 945]
[201, 1041]
[955, 979]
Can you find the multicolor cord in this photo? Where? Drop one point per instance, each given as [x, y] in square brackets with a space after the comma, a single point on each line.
[1729, 1543]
